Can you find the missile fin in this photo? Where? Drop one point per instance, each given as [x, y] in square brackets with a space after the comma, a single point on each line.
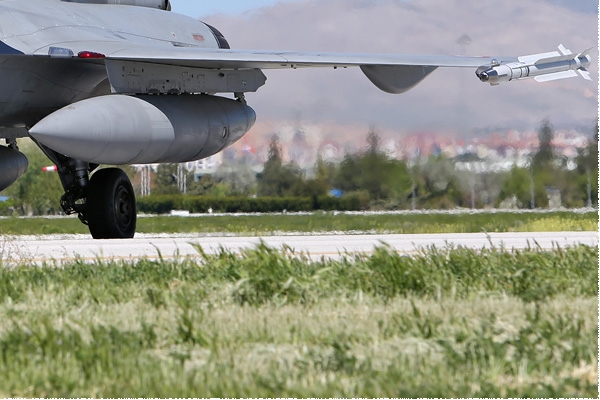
[534, 58]
[584, 74]
[554, 56]
[555, 76]
[554, 59]
[564, 51]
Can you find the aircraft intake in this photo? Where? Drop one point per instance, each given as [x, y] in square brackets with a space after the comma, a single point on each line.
[13, 164]
[144, 129]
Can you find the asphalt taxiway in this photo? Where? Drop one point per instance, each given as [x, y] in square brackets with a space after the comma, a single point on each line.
[65, 248]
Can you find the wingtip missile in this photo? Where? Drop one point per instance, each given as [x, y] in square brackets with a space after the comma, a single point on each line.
[543, 67]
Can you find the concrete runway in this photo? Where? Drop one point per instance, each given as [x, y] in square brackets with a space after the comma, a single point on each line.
[64, 248]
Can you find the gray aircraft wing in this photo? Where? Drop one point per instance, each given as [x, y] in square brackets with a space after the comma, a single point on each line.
[141, 69]
[136, 65]
[209, 58]
[392, 73]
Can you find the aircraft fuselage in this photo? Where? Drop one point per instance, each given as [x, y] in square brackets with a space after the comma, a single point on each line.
[32, 88]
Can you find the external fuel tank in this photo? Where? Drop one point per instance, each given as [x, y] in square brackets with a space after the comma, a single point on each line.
[120, 129]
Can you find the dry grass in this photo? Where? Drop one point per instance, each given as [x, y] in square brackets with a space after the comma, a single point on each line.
[181, 329]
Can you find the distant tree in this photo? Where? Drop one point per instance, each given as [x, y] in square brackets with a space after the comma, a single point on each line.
[518, 183]
[438, 184]
[543, 171]
[325, 171]
[165, 181]
[321, 183]
[348, 176]
[274, 153]
[204, 185]
[36, 192]
[384, 179]
[374, 165]
[490, 187]
[587, 170]
[544, 156]
[373, 142]
[239, 177]
[588, 158]
[278, 179]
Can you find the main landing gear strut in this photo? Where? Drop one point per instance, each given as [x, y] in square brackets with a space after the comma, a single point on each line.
[105, 201]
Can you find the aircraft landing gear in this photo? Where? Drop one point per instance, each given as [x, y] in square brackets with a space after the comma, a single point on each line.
[110, 207]
[105, 202]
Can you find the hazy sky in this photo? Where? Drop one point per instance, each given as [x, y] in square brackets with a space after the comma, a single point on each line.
[202, 8]
[450, 99]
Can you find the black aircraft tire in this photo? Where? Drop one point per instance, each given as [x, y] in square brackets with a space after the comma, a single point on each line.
[111, 209]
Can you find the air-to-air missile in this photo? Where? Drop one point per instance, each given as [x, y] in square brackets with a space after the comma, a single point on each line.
[541, 67]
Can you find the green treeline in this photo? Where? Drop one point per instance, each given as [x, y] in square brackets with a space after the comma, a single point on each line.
[161, 204]
[367, 180]
[372, 180]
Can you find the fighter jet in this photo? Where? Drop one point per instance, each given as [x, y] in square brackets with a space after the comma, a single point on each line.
[117, 82]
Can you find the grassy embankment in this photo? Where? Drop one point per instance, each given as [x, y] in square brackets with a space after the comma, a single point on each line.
[453, 322]
[322, 222]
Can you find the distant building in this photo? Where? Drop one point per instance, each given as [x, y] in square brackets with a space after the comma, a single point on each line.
[206, 166]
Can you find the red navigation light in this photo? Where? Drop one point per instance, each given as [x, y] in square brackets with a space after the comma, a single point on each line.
[90, 55]
[52, 168]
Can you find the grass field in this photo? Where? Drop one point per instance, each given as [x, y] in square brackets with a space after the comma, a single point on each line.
[328, 221]
[268, 323]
